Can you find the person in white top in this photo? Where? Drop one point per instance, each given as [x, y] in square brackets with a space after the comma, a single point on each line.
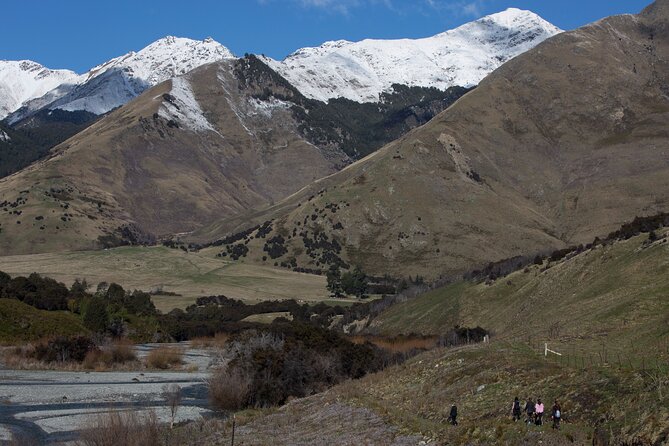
[539, 411]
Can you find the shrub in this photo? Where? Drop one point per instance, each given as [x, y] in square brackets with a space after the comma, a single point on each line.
[229, 390]
[126, 428]
[64, 349]
[164, 357]
[265, 368]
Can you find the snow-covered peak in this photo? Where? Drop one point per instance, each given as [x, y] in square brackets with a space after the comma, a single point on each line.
[123, 78]
[23, 80]
[166, 58]
[361, 71]
[514, 17]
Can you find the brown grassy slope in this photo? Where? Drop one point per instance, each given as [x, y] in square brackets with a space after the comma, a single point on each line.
[559, 145]
[136, 167]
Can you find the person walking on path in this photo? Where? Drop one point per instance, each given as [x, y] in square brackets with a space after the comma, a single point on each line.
[539, 410]
[453, 417]
[557, 415]
[515, 409]
[529, 410]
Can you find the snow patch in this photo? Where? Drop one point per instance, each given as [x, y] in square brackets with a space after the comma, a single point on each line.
[267, 108]
[4, 137]
[184, 108]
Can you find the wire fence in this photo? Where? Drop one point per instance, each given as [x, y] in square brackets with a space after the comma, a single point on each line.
[653, 356]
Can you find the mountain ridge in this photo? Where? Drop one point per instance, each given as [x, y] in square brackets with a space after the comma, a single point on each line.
[362, 70]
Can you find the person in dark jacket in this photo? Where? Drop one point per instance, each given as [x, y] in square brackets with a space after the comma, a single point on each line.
[557, 415]
[515, 409]
[453, 417]
[529, 410]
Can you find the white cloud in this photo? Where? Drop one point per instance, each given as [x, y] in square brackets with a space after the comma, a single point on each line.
[459, 8]
[462, 8]
[336, 6]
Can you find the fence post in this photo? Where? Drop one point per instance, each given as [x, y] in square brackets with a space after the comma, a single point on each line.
[233, 429]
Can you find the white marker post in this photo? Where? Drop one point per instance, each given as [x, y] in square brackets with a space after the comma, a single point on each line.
[546, 350]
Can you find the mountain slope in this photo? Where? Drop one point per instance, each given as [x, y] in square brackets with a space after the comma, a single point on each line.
[23, 80]
[223, 139]
[361, 71]
[559, 145]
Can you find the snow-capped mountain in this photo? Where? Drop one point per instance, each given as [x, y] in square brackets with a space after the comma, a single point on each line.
[23, 80]
[120, 80]
[360, 71]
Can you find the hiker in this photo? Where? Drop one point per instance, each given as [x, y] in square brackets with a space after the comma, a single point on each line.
[515, 409]
[539, 410]
[557, 414]
[529, 410]
[453, 418]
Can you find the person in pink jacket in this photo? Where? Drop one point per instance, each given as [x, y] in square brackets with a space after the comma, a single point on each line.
[539, 413]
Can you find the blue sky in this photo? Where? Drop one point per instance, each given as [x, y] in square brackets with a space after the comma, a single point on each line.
[79, 34]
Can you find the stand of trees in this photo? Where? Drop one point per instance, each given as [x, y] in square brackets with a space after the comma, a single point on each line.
[352, 283]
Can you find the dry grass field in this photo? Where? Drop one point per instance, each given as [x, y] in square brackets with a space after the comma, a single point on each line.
[190, 275]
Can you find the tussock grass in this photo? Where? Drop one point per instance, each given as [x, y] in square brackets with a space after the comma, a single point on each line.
[122, 428]
[119, 354]
[164, 357]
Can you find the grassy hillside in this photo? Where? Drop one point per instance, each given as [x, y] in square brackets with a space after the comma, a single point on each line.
[189, 274]
[600, 405]
[21, 322]
[615, 296]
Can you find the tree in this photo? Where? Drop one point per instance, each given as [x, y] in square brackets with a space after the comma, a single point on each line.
[96, 316]
[79, 288]
[115, 293]
[355, 283]
[334, 281]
